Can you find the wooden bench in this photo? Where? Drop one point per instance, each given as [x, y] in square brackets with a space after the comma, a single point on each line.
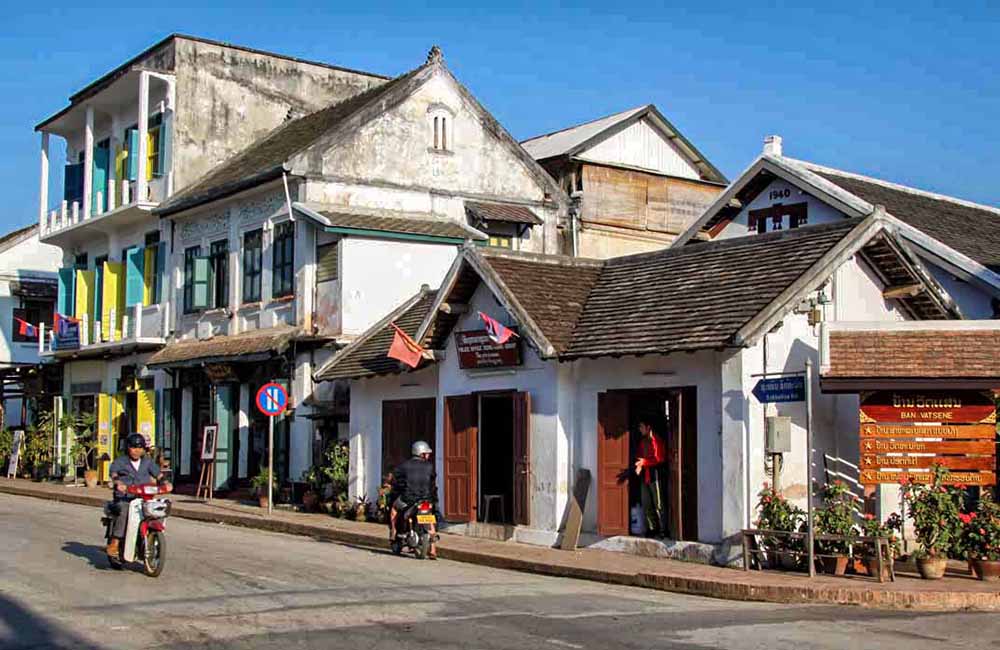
[752, 552]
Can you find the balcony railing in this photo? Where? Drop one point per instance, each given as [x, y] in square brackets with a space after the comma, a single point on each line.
[120, 199]
[144, 326]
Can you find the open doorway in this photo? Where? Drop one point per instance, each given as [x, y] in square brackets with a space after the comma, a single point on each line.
[496, 458]
[670, 412]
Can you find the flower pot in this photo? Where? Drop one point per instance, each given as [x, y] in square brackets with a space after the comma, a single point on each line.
[835, 565]
[309, 500]
[90, 478]
[871, 564]
[932, 568]
[973, 568]
[788, 561]
[985, 569]
[262, 499]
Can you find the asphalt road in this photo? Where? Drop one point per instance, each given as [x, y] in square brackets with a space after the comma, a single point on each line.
[225, 587]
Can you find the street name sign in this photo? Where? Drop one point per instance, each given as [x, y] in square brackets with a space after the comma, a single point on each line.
[780, 389]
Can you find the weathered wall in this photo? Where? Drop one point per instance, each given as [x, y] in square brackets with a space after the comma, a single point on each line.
[26, 260]
[228, 97]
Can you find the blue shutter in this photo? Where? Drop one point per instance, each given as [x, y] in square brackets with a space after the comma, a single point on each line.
[99, 181]
[73, 182]
[134, 275]
[132, 136]
[161, 148]
[67, 283]
[161, 275]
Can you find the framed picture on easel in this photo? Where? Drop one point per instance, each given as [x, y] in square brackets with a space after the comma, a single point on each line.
[209, 441]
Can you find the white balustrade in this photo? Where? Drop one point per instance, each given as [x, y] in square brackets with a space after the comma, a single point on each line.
[100, 203]
[41, 338]
[63, 214]
[126, 187]
[76, 212]
[138, 320]
[111, 194]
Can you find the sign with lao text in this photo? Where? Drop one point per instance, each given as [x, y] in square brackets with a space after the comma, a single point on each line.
[946, 431]
[941, 406]
[875, 477]
[877, 446]
[477, 350]
[780, 389]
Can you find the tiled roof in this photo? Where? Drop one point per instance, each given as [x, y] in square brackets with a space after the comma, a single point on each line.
[971, 230]
[248, 345]
[264, 159]
[697, 296]
[14, 234]
[914, 354]
[502, 212]
[366, 356]
[396, 221]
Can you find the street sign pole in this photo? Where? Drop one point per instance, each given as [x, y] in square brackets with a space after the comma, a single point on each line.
[270, 465]
[809, 471]
[272, 400]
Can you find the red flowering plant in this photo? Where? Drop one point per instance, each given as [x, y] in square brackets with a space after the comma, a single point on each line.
[981, 530]
[775, 512]
[872, 527]
[836, 516]
[935, 509]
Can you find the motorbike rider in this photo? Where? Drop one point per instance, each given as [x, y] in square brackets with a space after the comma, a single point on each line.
[133, 468]
[414, 480]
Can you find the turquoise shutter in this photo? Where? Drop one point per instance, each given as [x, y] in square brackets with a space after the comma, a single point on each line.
[161, 277]
[134, 275]
[132, 136]
[161, 148]
[67, 283]
[98, 291]
[224, 394]
[201, 283]
[168, 437]
[99, 181]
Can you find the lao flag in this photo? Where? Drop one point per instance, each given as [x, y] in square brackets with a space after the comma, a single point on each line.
[404, 348]
[24, 328]
[497, 332]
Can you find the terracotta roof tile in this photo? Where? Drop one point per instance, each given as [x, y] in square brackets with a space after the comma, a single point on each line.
[914, 354]
[504, 212]
[246, 344]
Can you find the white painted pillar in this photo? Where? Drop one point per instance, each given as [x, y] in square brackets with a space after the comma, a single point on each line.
[736, 448]
[167, 143]
[141, 193]
[244, 430]
[301, 427]
[187, 401]
[88, 161]
[43, 190]
[113, 143]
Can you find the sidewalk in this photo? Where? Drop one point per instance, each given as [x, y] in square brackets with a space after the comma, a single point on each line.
[959, 592]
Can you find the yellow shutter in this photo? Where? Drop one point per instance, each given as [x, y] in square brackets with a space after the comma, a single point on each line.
[145, 416]
[104, 434]
[113, 298]
[151, 154]
[148, 275]
[121, 169]
[117, 410]
[85, 301]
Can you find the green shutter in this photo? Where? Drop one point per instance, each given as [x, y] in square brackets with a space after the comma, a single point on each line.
[132, 137]
[99, 179]
[161, 277]
[224, 394]
[201, 282]
[163, 137]
[169, 438]
[134, 275]
[67, 283]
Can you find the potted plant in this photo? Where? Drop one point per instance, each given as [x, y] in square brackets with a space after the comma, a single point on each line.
[835, 517]
[259, 483]
[6, 446]
[936, 525]
[361, 509]
[314, 478]
[981, 538]
[872, 527]
[84, 446]
[776, 513]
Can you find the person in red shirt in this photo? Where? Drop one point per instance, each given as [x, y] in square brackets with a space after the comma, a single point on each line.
[649, 466]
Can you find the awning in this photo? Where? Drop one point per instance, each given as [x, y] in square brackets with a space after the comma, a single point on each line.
[502, 212]
[247, 347]
[396, 224]
[34, 288]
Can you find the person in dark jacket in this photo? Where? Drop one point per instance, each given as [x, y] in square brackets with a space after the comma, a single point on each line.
[134, 468]
[414, 480]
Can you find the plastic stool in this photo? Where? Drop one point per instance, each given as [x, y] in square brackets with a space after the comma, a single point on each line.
[489, 499]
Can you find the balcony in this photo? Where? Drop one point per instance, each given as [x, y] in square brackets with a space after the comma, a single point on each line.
[140, 328]
[118, 155]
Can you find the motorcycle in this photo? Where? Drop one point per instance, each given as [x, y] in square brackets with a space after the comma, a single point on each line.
[144, 534]
[413, 529]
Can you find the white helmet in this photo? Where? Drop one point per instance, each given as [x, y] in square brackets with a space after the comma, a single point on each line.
[420, 448]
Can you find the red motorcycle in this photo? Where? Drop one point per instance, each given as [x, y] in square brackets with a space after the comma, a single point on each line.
[144, 534]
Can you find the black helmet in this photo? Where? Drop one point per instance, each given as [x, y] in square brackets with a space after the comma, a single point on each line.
[135, 440]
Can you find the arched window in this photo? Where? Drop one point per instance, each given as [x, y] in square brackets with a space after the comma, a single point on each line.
[441, 119]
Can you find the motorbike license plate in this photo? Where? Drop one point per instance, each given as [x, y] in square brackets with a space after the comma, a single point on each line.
[426, 519]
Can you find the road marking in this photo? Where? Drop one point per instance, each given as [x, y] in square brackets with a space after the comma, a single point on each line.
[565, 644]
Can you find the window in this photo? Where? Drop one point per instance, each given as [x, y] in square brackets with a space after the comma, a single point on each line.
[220, 273]
[327, 262]
[190, 255]
[99, 286]
[80, 261]
[776, 221]
[32, 311]
[283, 260]
[151, 269]
[440, 127]
[500, 241]
[252, 265]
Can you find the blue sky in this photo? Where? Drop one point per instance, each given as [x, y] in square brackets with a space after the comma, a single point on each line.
[906, 91]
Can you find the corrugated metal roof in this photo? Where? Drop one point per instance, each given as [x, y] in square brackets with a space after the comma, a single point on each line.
[564, 141]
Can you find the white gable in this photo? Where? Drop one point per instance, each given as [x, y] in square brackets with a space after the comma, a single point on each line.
[780, 191]
[642, 146]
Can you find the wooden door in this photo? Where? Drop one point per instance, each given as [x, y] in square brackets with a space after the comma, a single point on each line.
[675, 466]
[522, 459]
[689, 462]
[461, 431]
[612, 464]
[404, 422]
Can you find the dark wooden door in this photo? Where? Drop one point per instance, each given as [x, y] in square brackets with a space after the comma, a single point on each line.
[689, 461]
[676, 468]
[461, 430]
[522, 458]
[612, 463]
[405, 421]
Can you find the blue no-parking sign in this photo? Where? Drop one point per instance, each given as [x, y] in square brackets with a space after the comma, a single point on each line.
[272, 399]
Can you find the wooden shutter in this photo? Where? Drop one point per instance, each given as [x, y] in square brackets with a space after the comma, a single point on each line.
[132, 137]
[460, 437]
[65, 302]
[99, 180]
[612, 464]
[134, 276]
[522, 459]
[327, 262]
[202, 282]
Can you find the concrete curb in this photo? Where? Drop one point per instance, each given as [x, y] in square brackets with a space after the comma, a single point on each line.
[738, 588]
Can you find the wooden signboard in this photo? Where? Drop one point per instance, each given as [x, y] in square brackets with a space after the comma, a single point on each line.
[946, 431]
[577, 504]
[875, 477]
[912, 431]
[941, 406]
[15, 453]
[477, 350]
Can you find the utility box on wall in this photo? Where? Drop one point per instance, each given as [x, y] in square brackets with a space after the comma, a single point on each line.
[778, 434]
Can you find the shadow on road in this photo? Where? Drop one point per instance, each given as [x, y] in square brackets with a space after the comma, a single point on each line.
[22, 629]
[93, 554]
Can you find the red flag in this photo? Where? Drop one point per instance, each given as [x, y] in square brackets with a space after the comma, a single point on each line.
[497, 332]
[404, 348]
[24, 328]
